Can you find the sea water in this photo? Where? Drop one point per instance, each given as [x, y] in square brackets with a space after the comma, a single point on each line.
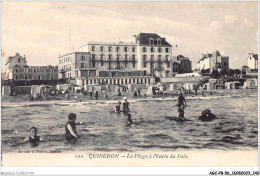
[235, 128]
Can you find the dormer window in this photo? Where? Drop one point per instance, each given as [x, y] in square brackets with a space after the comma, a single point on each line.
[159, 41]
[19, 60]
[151, 41]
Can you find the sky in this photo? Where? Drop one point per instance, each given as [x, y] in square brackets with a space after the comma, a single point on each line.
[44, 30]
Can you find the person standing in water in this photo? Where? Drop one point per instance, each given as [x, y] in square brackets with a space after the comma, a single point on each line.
[118, 107]
[180, 114]
[128, 119]
[125, 106]
[206, 115]
[33, 139]
[70, 128]
[181, 101]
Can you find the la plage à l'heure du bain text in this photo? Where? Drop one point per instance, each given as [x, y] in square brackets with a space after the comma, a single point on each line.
[114, 155]
[136, 156]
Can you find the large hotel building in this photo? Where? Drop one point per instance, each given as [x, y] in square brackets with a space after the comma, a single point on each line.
[98, 63]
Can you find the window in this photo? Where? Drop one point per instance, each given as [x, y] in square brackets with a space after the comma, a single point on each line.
[133, 58]
[159, 58]
[82, 58]
[167, 61]
[109, 61]
[167, 73]
[152, 58]
[117, 49]
[93, 62]
[101, 48]
[52, 70]
[117, 62]
[133, 49]
[93, 48]
[151, 41]
[39, 77]
[125, 49]
[16, 70]
[167, 50]
[133, 80]
[144, 49]
[125, 60]
[52, 77]
[25, 77]
[43, 70]
[16, 77]
[34, 70]
[159, 50]
[101, 59]
[82, 65]
[152, 49]
[110, 57]
[110, 48]
[25, 70]
[19, 59]
[152, 63]
[144, 60]
[159, 41]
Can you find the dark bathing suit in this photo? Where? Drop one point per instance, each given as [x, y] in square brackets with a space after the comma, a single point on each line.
[210, 117]
[126, 107]
[117, 108]
[69, 136]
[181, 100]
[34, 140]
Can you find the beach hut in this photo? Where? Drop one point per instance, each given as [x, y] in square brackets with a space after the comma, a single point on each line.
[6, 90]
[251, 84]
[35, 90]
[149, 90]
[173, 87]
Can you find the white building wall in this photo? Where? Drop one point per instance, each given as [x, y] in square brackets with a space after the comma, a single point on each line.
[252, 63]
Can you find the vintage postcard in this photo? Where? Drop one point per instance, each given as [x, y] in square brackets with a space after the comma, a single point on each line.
[129, 84]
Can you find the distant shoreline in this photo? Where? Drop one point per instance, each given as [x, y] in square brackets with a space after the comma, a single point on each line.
[111, 97]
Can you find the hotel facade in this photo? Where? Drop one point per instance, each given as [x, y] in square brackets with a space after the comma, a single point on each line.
[99, 63]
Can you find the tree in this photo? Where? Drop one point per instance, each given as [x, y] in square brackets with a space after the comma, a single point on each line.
[231, 72]
[237, 71]
[223, 73]
[215, 74]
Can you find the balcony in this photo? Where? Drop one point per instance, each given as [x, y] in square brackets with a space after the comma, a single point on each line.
[64, 70]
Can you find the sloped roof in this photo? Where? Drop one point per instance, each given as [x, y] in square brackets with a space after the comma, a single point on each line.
[255, 56]
[144, 38]
[11, 58]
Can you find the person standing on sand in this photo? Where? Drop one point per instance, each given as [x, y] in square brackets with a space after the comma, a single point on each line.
[90, 94]
[96, 95]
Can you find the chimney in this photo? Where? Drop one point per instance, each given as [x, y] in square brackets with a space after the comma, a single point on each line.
[24, 57]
